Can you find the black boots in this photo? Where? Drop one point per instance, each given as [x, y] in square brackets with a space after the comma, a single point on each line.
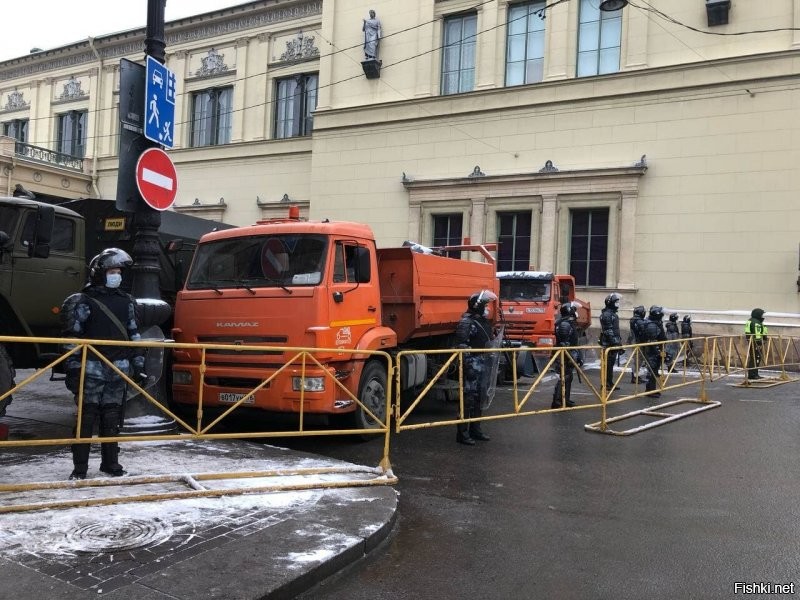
[109, 451]
[108, 463]
[80, 452]
[462, 435]
[467, 433]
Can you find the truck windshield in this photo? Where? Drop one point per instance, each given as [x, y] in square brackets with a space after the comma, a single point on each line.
[259, 261]
[524, 290]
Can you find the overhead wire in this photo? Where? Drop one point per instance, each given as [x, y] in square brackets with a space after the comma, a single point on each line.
[346, 79]
[647, 8]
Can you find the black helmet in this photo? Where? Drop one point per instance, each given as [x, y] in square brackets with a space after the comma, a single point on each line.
[639, 312]
[567, 310]
[758, 313]
[656, 313]
[110, 258]
[612, 300]
[687, 319]
[673, 317]
[477, 302]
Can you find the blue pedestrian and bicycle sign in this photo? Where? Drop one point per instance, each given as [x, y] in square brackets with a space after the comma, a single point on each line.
[159, 103]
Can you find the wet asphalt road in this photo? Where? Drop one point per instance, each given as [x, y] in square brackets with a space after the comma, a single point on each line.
[547, 510]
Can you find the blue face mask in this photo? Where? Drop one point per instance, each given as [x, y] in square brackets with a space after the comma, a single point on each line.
[113, 280]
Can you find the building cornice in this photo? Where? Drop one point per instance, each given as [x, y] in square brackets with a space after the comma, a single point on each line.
[244, 17]
[554, 177]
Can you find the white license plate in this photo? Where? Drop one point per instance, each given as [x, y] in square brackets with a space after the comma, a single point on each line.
[230, 398]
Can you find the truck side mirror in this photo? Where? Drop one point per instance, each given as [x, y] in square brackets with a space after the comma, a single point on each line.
[363, 265]
[174, 246]
[39, 246]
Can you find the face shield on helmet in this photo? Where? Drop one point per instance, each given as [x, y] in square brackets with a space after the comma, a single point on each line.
[612, 301]
[656, 313]
[674, 317]
[639, 311]
[478, 301]
[110, 258]
[566, 309]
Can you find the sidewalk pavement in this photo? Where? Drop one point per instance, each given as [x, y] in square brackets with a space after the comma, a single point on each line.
[241, 546]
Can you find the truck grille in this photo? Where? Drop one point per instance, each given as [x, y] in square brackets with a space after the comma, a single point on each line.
[234, 382]
[243, 341]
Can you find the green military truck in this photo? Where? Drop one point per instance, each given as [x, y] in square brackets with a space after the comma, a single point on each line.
[44, 252]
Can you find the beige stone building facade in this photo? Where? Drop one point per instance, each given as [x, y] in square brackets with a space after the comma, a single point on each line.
[650, 151]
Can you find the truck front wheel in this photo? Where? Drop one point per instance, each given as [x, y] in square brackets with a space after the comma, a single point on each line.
[6, 378]
[372, 394]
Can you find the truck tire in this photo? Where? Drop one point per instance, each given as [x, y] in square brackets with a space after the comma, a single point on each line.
[372, 394]
[7, 375]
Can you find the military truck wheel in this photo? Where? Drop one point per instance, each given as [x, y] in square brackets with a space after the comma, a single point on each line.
[7, 375]
[372, 394]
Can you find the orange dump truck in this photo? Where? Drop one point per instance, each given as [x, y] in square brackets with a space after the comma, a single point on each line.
[287, 283]
[530, 303]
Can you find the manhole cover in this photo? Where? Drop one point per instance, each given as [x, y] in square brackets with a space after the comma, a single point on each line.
[116, 535]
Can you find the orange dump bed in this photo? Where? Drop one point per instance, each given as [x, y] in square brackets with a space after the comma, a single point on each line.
[426, 294]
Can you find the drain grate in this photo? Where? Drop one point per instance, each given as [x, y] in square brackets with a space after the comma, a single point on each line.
[118, 534]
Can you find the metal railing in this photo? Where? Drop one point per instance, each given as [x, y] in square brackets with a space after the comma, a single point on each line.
[45, 155]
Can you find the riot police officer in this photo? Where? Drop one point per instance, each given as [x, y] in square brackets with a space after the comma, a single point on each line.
[686, 327]
[566, 334]
[102, 312]
[636, 336]
[671, 331]
[755, 332]
[609, 335]
[654, 332]
[474, 331]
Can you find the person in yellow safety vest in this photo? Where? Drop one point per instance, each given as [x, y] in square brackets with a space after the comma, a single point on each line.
[756, 332]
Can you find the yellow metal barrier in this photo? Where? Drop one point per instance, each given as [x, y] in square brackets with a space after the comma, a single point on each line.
[693, 362]
[685, 369]
[299, 359]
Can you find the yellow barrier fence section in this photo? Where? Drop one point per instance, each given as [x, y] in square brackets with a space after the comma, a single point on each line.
[669, 365]
[374, 400]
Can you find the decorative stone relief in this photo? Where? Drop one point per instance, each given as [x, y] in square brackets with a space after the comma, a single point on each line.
[16, 101]
[548, 167]
[72, 90]
[212, 64]
[300, 48]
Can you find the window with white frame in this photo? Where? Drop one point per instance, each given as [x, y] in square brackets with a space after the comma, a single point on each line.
[525, 43]
[211, 116]
[17, 129]
[588, 259]
[514, 238]
[296, 99]
[458, 54]
[599, 39]
[71, 137]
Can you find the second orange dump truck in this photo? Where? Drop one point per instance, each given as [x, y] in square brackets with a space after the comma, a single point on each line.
[530, 303]
[289, 283]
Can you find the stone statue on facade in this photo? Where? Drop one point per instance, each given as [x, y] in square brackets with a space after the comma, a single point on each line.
[372, 36]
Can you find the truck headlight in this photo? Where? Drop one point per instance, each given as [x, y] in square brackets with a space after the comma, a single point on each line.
[308, 384]
[545, 341]
[181, 378]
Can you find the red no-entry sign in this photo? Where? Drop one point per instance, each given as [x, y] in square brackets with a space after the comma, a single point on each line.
[156, 178]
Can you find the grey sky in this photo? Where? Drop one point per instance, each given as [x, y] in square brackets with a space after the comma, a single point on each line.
[48, 24]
